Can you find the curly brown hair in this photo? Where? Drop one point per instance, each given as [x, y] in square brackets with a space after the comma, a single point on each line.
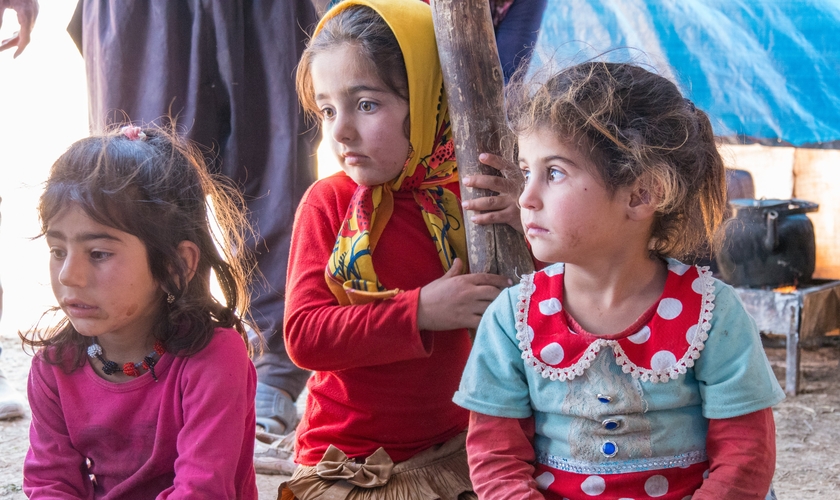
[638, 127]
[158, 189]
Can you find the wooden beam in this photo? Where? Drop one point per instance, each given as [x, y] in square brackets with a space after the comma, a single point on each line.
[474, 83]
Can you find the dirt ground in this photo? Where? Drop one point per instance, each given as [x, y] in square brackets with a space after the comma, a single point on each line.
[807, 429]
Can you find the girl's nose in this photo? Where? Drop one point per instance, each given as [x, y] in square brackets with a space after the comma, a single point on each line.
[343, 130]
[529, 199]
[71, 273]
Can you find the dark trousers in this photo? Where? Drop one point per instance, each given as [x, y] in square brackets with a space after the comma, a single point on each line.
[517, 34]
[224, 70]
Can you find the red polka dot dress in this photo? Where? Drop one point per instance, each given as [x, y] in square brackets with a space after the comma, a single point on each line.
[607, 448]
[624, 416]
[559, 353]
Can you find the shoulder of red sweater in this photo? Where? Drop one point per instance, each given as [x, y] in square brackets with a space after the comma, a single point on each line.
[330, 195]
[336, 185]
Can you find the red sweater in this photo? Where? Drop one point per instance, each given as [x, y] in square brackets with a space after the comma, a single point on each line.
[379, 380]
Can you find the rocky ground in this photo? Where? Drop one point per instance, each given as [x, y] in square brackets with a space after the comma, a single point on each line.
[807, 429]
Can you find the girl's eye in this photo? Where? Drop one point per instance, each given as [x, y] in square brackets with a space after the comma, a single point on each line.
[367, 106]
[97, 255]
[526, 174]
[58, 253]
[327, 113]
[555, 175]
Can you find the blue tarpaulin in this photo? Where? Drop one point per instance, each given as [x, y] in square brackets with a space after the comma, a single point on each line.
[761, 68]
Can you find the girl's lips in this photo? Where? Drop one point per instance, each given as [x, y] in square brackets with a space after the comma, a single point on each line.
[80, 309]
[353, 159]
[535, 230]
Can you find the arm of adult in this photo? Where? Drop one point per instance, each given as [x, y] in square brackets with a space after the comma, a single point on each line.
[503, 208]
[27, 12]
[501, 454]
[742, 454]
[322, 335]
[216, 444]
[53, 468]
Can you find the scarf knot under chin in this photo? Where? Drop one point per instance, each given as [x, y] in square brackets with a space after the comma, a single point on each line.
[350, 272]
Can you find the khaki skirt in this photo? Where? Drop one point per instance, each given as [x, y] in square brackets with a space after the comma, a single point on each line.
[438, 473]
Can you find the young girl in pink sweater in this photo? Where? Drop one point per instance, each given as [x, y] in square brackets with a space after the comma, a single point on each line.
[145, 388]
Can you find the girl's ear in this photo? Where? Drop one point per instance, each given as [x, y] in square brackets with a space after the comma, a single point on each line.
[643, 203]
[189, 253]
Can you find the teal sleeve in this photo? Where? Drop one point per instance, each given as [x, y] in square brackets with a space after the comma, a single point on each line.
[494, 381]
[734, 374]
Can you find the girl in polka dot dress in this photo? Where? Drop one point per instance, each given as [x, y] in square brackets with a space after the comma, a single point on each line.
[618, 372]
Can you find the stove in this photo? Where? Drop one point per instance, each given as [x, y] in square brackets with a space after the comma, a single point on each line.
[802, 314]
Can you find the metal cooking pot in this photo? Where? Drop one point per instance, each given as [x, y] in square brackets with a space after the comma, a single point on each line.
[768, 243]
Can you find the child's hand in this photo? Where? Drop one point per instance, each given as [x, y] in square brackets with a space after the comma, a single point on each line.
[499, 209]
[457, 301]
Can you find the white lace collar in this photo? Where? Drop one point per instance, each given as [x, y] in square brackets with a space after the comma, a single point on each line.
[654, 353]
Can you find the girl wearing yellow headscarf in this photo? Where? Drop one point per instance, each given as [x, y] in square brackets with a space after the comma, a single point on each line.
[377, 305]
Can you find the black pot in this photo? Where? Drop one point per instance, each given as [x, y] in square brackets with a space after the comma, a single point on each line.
[768, 243]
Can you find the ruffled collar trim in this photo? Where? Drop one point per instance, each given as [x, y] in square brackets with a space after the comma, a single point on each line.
[662, 350]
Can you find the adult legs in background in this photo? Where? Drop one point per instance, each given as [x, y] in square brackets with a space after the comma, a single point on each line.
[516, 33]
[225, 71]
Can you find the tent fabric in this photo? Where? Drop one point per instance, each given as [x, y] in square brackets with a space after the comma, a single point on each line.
[767, 69]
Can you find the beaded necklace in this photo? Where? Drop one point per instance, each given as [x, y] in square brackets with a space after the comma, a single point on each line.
[131, 369]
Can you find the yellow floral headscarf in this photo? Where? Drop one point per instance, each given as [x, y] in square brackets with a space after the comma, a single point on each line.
[429, 167]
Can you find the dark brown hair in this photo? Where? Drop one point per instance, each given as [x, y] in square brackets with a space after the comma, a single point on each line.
[364, 29]
[637, 127]
[158, 189]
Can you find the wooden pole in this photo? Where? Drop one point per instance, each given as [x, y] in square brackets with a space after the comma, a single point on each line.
[474, 83]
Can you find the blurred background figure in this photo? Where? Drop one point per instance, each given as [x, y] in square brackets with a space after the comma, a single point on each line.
[11, 401]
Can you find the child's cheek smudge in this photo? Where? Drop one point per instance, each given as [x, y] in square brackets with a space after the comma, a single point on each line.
[573, 238]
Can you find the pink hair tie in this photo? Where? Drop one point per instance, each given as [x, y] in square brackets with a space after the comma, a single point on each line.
[133, 133]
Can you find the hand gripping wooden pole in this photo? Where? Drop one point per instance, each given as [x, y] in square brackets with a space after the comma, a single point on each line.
[472, 77]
